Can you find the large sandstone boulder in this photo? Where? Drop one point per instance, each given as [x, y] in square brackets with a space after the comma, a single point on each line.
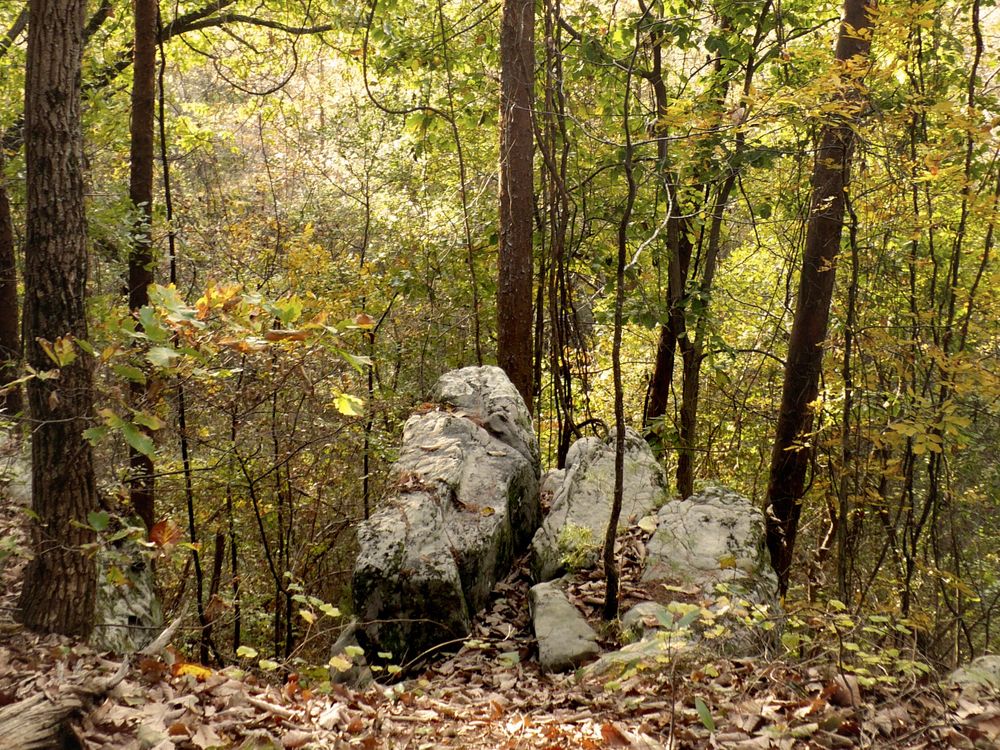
[715, 536]
[573, 531]
[465, 501]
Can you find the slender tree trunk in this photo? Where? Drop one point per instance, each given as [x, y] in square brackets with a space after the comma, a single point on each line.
[140, 264]
[792, 452]
[679, 246]
[611, 571]
[10, 339]
[517, 72]
[60, 581]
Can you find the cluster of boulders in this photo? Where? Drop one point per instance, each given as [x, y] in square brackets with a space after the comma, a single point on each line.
[710, 546]
[466, 503]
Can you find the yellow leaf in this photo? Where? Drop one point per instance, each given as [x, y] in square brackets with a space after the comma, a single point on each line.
[340, 663]
[196, 670]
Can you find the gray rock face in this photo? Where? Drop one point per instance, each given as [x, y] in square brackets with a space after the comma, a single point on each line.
[565, 640]
[15, 469]
[573, 531]
[978, 679]
[715, 536]
[128, 612]
[465, 499]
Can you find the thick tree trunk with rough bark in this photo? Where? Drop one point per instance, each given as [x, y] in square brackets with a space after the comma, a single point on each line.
[517, 73]
[140, 264]
[10, 339]
[792, 452]
[60, 581]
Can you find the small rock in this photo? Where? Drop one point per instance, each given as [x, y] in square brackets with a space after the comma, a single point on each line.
[565, 640]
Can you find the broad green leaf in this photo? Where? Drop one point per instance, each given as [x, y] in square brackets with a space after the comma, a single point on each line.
[704, 714]
[267, 665]
[138, 439]
[162, 356]
[329, 610]
[354, 651]
[129, 373]
[98, 520]
[151, 421]
[246, 652]
[95, 435]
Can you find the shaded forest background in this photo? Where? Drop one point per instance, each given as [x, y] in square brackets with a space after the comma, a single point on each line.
[323, 242]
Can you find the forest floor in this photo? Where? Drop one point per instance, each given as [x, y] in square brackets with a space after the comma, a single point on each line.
[488, 695]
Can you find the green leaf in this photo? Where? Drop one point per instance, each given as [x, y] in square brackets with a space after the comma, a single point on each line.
[246, 652]
[98, 520]
[94, 435]
[267, 665]
[138, 439]
[354, 651]
[287, 311]
[151, 421]
[704, 714]
[688, 618]
[151, 324]
[129, 373]
[162, 356]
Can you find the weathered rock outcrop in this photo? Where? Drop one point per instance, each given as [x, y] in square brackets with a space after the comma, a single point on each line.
[573, 531]
[465, 501]
[715, 536]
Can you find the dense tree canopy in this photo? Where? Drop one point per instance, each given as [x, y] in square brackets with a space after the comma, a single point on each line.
[323, 239]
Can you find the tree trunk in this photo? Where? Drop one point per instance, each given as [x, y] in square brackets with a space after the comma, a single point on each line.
[10, 340]
[140, 263]
[792, 452]
[60, 581]
[517, 72]
[680, 248]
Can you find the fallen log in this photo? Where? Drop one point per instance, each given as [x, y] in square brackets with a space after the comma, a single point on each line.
[42, 722]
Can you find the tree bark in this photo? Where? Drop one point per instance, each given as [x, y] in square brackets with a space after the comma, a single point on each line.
[60, 581]
[792, 452]
[679, 245]
[10, 339]
[517, 72]
[140, 265]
